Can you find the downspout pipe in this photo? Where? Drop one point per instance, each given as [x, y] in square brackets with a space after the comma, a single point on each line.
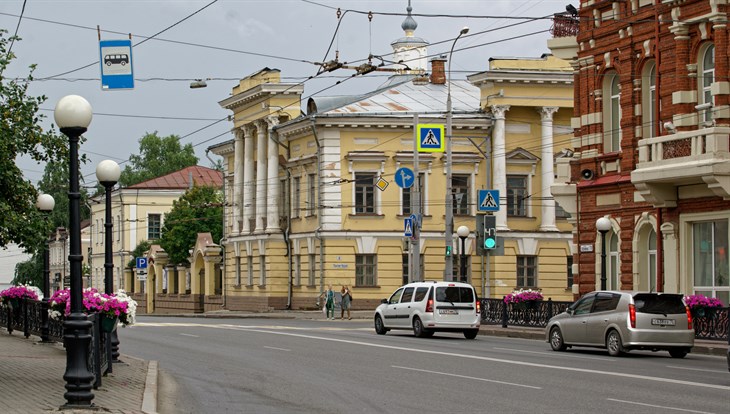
[659, 236]
[318, 232]
[223, 240]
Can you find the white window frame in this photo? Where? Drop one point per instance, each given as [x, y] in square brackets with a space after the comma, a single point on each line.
[649, 101]
[612, 118]
[296, 196]
[704, 93]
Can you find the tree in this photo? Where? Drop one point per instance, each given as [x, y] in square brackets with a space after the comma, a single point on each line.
[21, 135]
[199, 210]
[138, 251]
[157, 157]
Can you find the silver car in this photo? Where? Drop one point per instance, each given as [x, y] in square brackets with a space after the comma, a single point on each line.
[621, 321]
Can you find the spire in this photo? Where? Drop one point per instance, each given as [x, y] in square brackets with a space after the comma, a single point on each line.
[409, 25]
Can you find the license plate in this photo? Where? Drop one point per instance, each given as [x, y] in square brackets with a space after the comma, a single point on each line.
[664, 322]
[448, 312]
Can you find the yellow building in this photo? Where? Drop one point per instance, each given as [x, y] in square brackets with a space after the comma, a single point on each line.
[312, 199]
[138, 213]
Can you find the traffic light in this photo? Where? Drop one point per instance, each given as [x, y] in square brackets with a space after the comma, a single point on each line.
[448, 251]
[490, 233]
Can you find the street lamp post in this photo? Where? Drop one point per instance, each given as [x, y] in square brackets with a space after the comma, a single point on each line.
[603, 225]
[73, 115]
[107, 172]
[45, 204]
[463, 233]
[449, 231]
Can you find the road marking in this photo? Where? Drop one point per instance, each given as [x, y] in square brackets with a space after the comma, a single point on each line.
[658, 406]
[466, 356]
[277, 349]
[191, 335]
[552, 354]
[466, 377]
[695, 369]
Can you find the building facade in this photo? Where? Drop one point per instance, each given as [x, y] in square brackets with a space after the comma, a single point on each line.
[312, 200]
[138, 214]
[651, 122]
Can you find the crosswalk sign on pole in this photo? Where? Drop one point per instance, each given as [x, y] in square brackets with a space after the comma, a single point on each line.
[408, 224]
[431, 138]
[488, 200]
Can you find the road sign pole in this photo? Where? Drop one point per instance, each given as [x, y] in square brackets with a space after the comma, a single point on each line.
[415, 251]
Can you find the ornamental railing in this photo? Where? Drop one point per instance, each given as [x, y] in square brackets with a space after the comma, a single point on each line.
[712, 325]
[564, 25]
[27, 316]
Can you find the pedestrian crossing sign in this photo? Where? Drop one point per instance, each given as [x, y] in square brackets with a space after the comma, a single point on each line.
[488, 200]
[431, 138]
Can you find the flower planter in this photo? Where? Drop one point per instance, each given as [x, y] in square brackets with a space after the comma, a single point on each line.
[108, 324]
[702, 312]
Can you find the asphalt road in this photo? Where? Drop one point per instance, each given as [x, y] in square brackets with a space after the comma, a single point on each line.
[318, 366]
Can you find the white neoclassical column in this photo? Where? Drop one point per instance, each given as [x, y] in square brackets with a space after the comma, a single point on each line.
[499, 169]
[237, 181]
[548, 175]
[261, 170]
[248, 184]
[272, 187]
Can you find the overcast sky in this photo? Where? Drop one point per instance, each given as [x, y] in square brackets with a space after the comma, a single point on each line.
[224, 42]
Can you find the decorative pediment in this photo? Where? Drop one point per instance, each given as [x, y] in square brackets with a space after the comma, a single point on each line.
[521, 156]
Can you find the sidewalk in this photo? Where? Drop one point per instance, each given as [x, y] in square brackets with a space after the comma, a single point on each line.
[31, 377]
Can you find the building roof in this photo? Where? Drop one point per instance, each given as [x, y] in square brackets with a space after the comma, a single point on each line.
[402, 94]
[180, 180]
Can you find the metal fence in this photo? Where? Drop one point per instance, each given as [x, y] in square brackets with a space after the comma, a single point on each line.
[713, 325]
[28, 316]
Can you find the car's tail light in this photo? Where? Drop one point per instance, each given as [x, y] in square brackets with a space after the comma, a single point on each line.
[689, 317]
[632, 315]
[429, 306]
[479, 307]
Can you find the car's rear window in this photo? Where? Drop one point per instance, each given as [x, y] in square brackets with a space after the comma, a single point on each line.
[659, 304]
[420, 293]
[455, 294]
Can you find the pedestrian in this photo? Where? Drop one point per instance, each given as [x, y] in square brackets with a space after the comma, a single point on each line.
[329, 304]
[346, 299]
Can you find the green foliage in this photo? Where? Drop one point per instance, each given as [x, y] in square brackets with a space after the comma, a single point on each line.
[138, 251]
[21, 135]
[157, 157]
[55, 183]
[199, 210]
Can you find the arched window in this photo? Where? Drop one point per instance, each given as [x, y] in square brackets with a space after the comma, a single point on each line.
[651, 260]
[613, 264]
[611, 113]
[706, 79]
[649, 101]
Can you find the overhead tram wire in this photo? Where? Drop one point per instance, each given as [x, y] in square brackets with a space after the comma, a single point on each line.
[12, 39]
[148, 38]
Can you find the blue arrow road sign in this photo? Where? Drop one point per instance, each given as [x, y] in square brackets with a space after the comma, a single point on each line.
[141, 263]
[488, 200]
[408, 224]
[404, 177]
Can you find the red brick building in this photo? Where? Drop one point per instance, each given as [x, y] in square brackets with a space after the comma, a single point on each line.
[652, 140]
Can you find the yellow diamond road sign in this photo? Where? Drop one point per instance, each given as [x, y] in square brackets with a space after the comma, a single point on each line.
[381, 184]
[431, 138]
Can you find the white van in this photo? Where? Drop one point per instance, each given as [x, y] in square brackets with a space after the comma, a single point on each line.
[428, 307]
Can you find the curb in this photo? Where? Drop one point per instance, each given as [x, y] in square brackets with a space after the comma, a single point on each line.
[149, 399]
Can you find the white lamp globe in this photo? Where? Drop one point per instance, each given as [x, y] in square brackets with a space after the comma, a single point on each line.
[108, 171]
[603, 224]
[463, 231]
[45, 202]
[72, 111]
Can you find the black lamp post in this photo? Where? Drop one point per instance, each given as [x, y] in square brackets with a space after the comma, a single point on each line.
[603, 225]
[73, 115]
[449, 213]
[45, 204]
[107, 172]
[463, 233]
